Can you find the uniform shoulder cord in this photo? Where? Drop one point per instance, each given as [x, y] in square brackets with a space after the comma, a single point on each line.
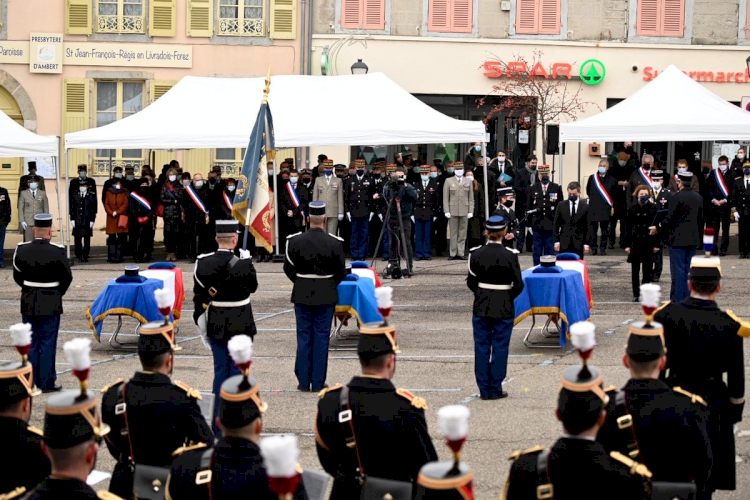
[346, 416]
[625, 424]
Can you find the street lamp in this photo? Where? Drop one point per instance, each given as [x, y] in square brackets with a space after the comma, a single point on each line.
[360, 68]
[746, 61]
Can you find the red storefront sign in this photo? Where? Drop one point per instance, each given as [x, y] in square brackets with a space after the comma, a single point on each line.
[500, 69]
[649, 73]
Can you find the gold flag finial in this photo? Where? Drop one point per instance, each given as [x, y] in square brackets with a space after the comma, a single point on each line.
[267, 89]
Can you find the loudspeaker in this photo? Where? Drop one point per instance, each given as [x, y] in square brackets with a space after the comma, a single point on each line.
[553, 137]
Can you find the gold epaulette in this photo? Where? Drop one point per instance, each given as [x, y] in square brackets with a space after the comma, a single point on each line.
[182, 449]
[635, 467]
[193, 393]
[108, 387]
[416, 401]
[35, 430]
[610, 388]
[694, 398]
[744, 330]
[662, 306]
[325, 391]
[13, 494]
[517, 454]
[106, 495]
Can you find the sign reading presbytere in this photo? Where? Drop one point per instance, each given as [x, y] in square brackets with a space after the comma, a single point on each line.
[45, 52]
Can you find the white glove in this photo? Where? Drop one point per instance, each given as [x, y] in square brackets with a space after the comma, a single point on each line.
[469, 215]
[447, 215]
[736, 216]
[23, 224]
[412, 219]
[341, 217]
[245, 254]
[380, 216]
[73, 224]
[434, 219]
[91, 225]
[114, 214]
[349, 216]
[371, 214]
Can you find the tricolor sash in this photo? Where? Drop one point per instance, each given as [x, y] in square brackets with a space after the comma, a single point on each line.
[646, 177]
[721, 183]
[227, 202]
[197, 200]
[295, 199]
[603, 192]
[140, 199]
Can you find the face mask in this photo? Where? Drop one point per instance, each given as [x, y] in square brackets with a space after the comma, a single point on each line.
[681, 169]
[470, 178]
[33, 185]
[450, 170]
[459, 172]
[741, 156]
[199, 184]
[360, 172]
[425, 177]
[532, 166]
[501, 159]
[545, 179]
[172, 178]
[230, 188]
[646, 166]
[118, 175]
[602, 170]
[622, 163]
[508, 203]
[746, 171]
[328, 172]
[130, 177]
[400, 178]
[149, 183]
[382, 175]
[573, 197]
[294, 180]
[723, 166]
[657, 185]
[477, 148]
[433, 175]
[417, 170]
[306, 180]
[643, 199]
[143, 187]
[82, 175]
[186, 182]
[213, 180]
[352, 172]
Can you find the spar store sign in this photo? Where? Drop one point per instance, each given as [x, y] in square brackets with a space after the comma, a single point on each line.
[649, 73]
[590, 72]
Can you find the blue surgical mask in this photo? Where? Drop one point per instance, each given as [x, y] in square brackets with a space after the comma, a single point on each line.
[449, 170]
[82, 175]
[199, 184]
[681, 169]
[294, 180]
[602, 170]
[545, 179]
[746, 171]
[118, 175]
[622, 163]
[425, 177]
[33, 185]
[477, 148]
[433, 175]
[328, 172]
[130, 177]
[231, 188]
[382, 175]
[416, 170]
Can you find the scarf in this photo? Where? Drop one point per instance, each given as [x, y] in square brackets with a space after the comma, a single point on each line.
[532, 176]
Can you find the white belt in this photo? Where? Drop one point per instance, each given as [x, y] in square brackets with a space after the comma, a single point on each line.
[490, 286]
[36, 284]
[315, 276]
[238, 303]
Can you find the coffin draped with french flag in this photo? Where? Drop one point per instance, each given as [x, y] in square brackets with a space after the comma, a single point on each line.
[252, 199]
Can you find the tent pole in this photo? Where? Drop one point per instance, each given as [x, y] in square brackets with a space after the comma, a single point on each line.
[579, 161]
[67, 219]
[275, 207]
[486, 182]
[59, 199]
[560, 146]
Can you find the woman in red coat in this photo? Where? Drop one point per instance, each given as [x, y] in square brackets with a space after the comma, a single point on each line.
[116, 202]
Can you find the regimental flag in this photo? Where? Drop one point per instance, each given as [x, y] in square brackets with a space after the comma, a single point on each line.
[252, 199]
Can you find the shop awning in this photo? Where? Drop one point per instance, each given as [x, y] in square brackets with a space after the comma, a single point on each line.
[202, 112]
[673, 107]
[16, 141]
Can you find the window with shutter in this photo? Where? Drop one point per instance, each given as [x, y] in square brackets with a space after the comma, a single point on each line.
[284, 19]
[162, 17]
[526, 17]
[549, 17]
[661, 18]
[461, 16]
[648, 18]
[158, 88]
[75, 116]
[78, 17]
[363, 14]
[450, 16]
[120, 16]
[116, 100]
[200, 18]
[374, 14]
[242, 17]
[439, 16]
[538, 17]
[673, 18]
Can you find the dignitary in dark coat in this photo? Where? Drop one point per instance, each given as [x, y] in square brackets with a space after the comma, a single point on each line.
[622, 167]
[223, 204]
[292, 213]
[82, 180]
[571, 223]
[426, 212]
[720, 184]
[116, 203]
[495, 278]
[680, 228]
[141, 208]
[507, 198]
[704, 344]
[741, 210]
[83, 208]
[197, 221]
[382, 418]
[6, 211]
[526, 178]
[543, 198]
[641, 177]
[222, 285]
[639, 244]
[600, 189]
[29, 465]
[151, 416]
[41, 269]
[358, 192]
[172, 196]
[315, 264]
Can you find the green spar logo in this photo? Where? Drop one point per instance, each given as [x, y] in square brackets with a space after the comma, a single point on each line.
[592, 72]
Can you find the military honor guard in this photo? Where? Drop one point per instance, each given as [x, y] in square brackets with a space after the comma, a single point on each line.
[358, 192]
[661, 201]
[83, 179]
[83, 209]
[222, 287]
[703, 345]
[330, 190]
[401, 196]
[720, 184]
[506, 195]
[29, 465]
[576, 466]
[543, 198]
[41, 269]
[741, 210]
[32, 201]
[426, 211]
[524, 180]
[458, 206]
[664, 428]
[600, 188]
[73, 430]
[495, 278]
[315, 264]
[23, 182]
[356, 422]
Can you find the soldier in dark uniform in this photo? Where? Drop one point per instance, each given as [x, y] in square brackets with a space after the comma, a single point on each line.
[525, 179]
[576, 466]
[82, 180]
[543, 197]
[83, 209]
[358, 191]
[73, 430]
[29, 465]
[315, 264]
[664, 429]
[380, 417]
[426, 211]
[150, 415]
[507, 198]
[222, 287]
[741, 210]
[495, 278]
[196, 203]
[661, 200]
[41, 269]
[233, 468]
[23, 182]
[378, 205]
[704, 343]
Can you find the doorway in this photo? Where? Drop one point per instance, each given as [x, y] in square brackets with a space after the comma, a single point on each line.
[11, 169]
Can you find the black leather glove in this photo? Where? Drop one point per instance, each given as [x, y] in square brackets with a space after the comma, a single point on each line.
[735, 412]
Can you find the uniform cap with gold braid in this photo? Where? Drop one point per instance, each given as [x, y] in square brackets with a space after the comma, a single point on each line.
[376, 339]
[157, 338]
[72, 417]
[240, 398]
[360, 163]
[646, 338]
[328, 163]
[543, 169]
[17, 378]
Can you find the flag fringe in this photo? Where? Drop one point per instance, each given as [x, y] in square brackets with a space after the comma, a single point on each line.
[258, 236]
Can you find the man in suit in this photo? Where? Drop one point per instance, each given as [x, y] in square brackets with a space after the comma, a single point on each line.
[292, 213]
[330, 190]
[720, 184]
[32, 201]
[426, 211]
[680, 227]
[458, 203]
[543, 197]
[682, 166]
[600, 189]
[572, 223]
[741, 210]
[502, 167]
[525, 178]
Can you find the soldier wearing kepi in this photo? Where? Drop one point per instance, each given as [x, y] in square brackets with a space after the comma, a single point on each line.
[661, 199]
[222, 287]
[150, 415]
[543, 197]
[495, 278]
[233, 468]
[42, 271]
[29, 465]
[315, 264]
[703, 343]
[356, 422]
[507, 198]
[358, 192]
[330, 190]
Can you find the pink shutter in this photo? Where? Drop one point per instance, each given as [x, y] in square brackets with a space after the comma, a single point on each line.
[351, 14]
[549, 17]
[526, 17]
[461, 16]
[374, 14]
[438, 18]
[647, 23]
[746, 26]
[673, 18]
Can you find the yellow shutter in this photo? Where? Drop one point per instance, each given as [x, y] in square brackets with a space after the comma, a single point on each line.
[157, 89]
[284, 19]
[162, 17]
[200, 18]
[78, 17]
[75, 116]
